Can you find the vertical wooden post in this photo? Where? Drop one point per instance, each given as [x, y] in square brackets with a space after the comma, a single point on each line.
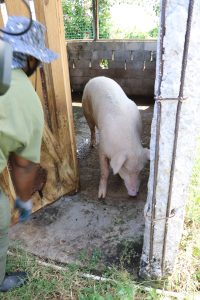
[2, 10]
[95, 4]
[17, 8]
[50, 14]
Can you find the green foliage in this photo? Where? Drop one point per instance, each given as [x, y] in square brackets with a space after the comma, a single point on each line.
[104, 18]
[153, 33]
[153, 295]
[78, 19]
[120, 287]
[104, 63]
[136, 35]
[187, 269]
[47, 282]
[90, 261]
[193, 206]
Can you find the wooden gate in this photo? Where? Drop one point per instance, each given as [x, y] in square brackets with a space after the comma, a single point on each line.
[52, 84]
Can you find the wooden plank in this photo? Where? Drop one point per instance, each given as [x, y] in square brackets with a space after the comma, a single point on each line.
[2, 11]
[45, 90]
[1, 21]
[95, 6]
[50, 13]
[17, 9]
[62, 177]
[45, 85]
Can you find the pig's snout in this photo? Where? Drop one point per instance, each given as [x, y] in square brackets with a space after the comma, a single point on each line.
[132, 193]
[133, 189]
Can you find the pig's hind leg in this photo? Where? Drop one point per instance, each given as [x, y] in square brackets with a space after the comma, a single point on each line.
[104, 169]
[91, 125]
[93, 135]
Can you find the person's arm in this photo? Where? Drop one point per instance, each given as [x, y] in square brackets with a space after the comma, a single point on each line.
[24, 175]
[27, 177]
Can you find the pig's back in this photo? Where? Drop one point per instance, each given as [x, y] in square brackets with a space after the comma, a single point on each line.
[106, 99]
[103, 87]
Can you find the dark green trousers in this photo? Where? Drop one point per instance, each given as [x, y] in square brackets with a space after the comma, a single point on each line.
[4, 226]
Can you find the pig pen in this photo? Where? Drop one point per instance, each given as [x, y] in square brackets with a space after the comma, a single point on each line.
[77, 227]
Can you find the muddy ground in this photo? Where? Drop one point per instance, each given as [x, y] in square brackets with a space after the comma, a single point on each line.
[80, 227]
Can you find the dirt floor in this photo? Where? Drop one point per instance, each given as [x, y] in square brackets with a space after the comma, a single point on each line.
[77, 228]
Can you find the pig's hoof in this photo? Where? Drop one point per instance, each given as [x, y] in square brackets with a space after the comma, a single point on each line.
[101, 198]
[101, 194]
[102, 188]
[93, 145]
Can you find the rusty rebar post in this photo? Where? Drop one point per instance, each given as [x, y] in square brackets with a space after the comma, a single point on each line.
[158, 123]
[176, 131]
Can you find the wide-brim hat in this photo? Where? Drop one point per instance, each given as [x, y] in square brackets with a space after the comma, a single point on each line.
[30, 43]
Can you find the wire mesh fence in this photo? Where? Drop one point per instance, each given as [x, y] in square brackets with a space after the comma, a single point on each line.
[118, 19]
[78, 19]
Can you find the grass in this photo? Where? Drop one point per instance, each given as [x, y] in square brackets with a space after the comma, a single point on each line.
[186, 276]
[45, 282]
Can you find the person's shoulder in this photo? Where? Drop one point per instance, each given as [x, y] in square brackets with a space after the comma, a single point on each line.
[19, 74]
[21, 82]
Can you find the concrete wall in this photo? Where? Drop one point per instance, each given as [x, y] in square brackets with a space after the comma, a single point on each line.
[131, 63]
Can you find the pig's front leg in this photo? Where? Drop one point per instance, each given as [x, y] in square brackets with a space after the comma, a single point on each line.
[104, 169]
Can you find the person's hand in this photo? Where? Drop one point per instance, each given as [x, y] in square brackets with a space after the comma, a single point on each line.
[24, 209]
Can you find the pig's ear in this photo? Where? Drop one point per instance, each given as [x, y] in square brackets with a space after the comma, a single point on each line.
[147, 153]
[117, 162]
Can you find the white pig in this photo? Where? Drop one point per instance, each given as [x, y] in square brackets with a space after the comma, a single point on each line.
[106, 106]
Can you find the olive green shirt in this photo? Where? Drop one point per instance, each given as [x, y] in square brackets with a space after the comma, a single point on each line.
[21, 120]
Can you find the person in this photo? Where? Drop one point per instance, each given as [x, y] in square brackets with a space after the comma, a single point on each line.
[21, 127]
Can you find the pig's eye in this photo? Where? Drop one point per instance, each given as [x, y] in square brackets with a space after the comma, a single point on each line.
[125, 169]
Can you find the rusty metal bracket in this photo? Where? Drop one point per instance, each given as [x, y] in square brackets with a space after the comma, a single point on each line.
[161, 99]
[173, 213]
